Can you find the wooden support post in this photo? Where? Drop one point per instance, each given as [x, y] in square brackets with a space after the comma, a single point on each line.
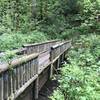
[51, 70]
[36, 91]
[65, 53]
[58, 63]
[63, 57]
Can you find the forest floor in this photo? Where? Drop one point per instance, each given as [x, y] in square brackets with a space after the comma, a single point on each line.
[48, 89]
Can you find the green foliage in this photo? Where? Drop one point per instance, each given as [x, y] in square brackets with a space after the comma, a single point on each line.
[57, 96]
[52, 17]
[17, 15]
[71, 17]
[9, 55]
[13, 41]
[80, 79]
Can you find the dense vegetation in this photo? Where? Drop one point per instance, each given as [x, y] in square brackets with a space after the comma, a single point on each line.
[13, 41]
[29, 21]
[51, 18]
[79, 78]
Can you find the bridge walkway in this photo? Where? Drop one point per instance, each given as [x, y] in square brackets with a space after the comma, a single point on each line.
[25, 76]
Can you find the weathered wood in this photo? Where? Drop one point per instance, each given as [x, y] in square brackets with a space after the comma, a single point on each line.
[44, 60]
[1, 87]
[31, 68]
[39, 47]
[43, 77]
[51, 70]
[24, 86]
[36, 91]
[51, 41]
[58, 63]
[16, 62]
[13, 82]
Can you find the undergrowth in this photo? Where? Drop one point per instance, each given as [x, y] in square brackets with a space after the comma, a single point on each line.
[79, 79]
[13, 41]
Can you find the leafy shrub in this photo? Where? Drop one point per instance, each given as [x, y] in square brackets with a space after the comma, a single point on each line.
[13, 41]
[79, 80]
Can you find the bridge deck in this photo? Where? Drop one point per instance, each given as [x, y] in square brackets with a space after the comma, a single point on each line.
[22, 72]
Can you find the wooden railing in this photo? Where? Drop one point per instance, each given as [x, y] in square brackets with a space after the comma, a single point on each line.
[20, 73]
[40, 47]
[16, 77]
[34, 48]
[59, 49]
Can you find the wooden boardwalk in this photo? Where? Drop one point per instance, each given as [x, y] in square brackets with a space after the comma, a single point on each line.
[30, 72]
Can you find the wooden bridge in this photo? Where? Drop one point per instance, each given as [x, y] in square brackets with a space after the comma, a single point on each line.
[31, 71]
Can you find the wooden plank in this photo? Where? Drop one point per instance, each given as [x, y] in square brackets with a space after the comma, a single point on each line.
[36, 91]
[14, 79]
[51, 70]
[24, 87]
[24, 74]
[1, 87]
[17, 78]
[44, 60]
[5, 85]
[11, 85]
[58, 63]
[43, 77]
[31, 65]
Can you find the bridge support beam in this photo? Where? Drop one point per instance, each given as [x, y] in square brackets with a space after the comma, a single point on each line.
[36, 91]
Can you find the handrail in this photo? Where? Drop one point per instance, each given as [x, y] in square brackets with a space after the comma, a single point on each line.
[34, 44]
[16, 62]
[23, 50]
[39, 47]
[57, 45]
[58, 49]
[14, 82]
[16, 51]
[20, 50]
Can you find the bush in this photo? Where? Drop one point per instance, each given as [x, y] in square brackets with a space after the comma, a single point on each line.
[13, 41]
[79, 80]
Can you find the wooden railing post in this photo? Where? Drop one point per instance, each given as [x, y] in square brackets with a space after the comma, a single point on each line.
[51, 66]
[1, 87]
[58, 63]
[36, 83]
